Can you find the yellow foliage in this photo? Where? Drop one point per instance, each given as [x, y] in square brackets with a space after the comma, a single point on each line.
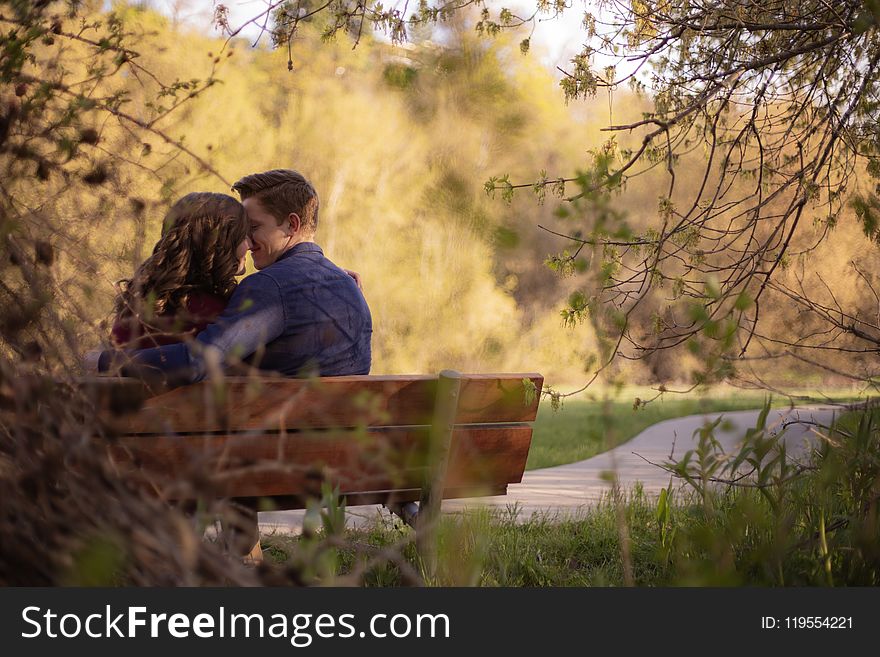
[399, 169]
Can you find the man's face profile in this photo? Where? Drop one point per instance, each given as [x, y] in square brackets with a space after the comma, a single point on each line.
[268, 239]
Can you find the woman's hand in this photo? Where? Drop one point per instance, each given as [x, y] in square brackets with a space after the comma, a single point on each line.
[90, 361]
[356, 277]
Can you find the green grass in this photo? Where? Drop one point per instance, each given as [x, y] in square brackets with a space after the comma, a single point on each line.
[584, 427]
[490, 549]
[817, 528]
[486, 548]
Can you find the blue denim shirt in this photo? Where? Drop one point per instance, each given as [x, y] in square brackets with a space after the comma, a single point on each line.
[300, 316]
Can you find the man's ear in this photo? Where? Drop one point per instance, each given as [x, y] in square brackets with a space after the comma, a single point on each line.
[294, 223]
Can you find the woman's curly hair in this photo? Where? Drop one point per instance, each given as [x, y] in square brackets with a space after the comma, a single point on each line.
[196, 253]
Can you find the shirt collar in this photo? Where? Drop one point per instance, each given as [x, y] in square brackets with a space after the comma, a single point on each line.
[302, 247]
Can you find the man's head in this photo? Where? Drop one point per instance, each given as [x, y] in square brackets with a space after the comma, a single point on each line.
[282, 208]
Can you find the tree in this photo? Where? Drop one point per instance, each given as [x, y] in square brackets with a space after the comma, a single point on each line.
[775, 103]
[67, 139]
[69, 75]
[782, 99]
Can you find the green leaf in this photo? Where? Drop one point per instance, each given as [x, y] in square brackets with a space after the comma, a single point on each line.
[697, 313]
[662, 514]
[506, 238]
[743, 301]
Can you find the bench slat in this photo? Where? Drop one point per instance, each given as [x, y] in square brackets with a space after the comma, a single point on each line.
[283, 502]
[483, 458]
[245, 404]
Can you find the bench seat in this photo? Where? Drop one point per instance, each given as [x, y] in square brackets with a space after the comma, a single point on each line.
[282, 439]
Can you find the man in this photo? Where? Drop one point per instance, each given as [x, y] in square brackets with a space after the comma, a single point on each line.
[298, 315]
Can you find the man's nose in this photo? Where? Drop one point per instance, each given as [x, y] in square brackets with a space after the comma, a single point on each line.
[249, 243]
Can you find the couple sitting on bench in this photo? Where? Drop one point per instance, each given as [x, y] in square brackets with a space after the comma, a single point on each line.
[182, 317]
[298, 315]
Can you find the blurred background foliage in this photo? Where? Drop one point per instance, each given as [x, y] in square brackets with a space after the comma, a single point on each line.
[400, 141]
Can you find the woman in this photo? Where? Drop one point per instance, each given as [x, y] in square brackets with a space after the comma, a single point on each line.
[182, 287]
[187, 281]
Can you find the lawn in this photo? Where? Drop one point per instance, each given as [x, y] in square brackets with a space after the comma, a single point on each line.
[486, 548]
[818, 528]
[584, 426]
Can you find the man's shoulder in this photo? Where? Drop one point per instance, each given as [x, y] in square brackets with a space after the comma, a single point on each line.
[258, 288]
[259, 279]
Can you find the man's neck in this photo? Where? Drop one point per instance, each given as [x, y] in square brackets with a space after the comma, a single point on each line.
[302, 240]
[287, 251]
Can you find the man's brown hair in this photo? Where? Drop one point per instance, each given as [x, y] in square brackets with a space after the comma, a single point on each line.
[282, 191]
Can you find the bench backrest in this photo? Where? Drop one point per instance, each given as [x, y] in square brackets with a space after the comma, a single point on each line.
[281, 438]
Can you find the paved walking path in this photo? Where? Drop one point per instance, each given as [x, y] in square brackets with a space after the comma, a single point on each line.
[567, 490]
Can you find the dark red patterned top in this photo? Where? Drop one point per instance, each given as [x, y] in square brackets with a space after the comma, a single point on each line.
[201, 310]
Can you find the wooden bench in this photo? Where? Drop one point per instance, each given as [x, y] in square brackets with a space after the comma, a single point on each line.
[379, 439]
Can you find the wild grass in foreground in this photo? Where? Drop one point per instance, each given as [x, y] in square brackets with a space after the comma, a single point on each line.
[493, 549]
[784, 525]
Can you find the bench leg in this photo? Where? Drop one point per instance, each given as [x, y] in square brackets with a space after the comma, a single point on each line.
[240, 531]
